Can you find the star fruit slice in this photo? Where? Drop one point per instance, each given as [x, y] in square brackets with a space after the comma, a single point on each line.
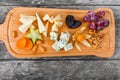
[34, 35]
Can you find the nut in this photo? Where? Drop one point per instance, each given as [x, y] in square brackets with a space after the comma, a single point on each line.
[92, 32]
[39, 42]
[35, 48]
[100, 46]
[14, 34]
[96, 40]
[102, 35]
[41, 48]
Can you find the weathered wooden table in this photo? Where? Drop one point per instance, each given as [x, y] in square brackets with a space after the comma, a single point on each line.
[61, 68]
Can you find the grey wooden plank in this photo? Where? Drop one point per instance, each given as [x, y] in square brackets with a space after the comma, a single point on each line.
[60, 70]
[4, 10]
[58, 2]
[116, 9]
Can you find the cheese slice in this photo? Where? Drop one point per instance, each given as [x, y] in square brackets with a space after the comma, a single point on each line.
[40, 24]
[24, 27]
[26, 18]
[45, 32]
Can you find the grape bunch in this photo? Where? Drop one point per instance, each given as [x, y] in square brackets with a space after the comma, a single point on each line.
[96, 20]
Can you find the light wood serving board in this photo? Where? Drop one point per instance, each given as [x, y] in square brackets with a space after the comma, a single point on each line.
[12, 23]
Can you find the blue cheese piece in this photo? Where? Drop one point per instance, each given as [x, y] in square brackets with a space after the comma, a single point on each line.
[62, 43]
[65, 36]
[55, 46]
[53, 36]
[69, 46]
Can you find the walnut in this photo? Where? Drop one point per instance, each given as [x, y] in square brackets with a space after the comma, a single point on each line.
[96, 39]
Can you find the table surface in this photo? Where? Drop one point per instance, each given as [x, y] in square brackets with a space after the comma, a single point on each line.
[61, 68]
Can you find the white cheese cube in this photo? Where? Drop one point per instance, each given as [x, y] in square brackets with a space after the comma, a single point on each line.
[54, 28]
[51, 19]
[55, 46]
[58, 17]
[69, 46]
[58, 23]
[53, 35]
[46, 17]
[62, 43]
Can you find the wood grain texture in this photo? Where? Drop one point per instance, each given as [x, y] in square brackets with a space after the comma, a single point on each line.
[60, 70]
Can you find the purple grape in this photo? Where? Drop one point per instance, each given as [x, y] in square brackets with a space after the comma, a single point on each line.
[100, 28]
[92, 26]
[101, 13]
[100, 19]
[86, 18]
[94, 18]
[106, 23]
[100, 22]
[91, 13]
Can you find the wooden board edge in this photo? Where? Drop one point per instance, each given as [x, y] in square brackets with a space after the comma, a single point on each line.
[21, 56]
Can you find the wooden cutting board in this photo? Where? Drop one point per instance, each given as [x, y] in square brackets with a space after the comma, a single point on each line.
[12, 23]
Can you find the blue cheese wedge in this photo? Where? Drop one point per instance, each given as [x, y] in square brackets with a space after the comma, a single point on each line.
[69, 46]
[55, 46]
[65, 36]
[53, 36]
[62, 43]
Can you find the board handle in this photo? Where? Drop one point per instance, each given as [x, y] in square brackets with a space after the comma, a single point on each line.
[2, 31]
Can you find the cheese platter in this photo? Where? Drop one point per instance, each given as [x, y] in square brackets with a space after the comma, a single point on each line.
[46, 32]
